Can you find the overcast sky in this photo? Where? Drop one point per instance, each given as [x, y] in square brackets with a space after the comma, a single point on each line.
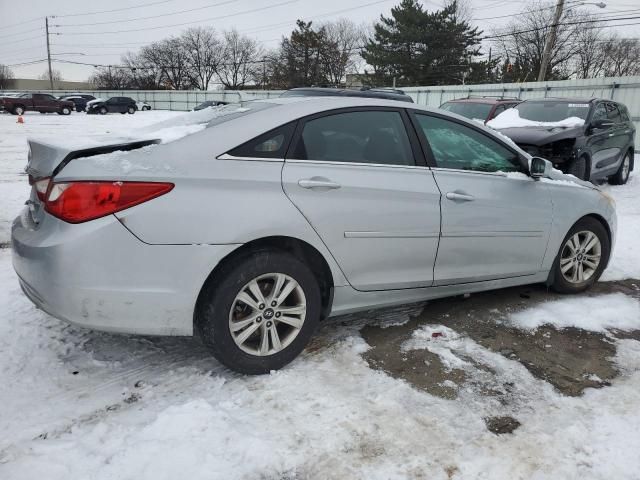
[22, 36]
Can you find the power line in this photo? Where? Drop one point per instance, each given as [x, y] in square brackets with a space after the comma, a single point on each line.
[21, 23]
[22, 40]
[244, 12]
[170, 14]
[21, 33]
[114, 10]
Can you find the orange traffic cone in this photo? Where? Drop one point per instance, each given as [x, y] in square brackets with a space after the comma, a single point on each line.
[20, 119]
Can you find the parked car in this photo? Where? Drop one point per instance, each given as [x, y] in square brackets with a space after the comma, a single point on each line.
[385, 93]
[480, 108]
[79, 100]
[599, 146]
[143, 106]
[209, 103]
[38, 102]
[285, 211]
[112, 105]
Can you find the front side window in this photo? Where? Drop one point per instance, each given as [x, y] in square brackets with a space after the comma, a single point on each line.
[600, 112]
[459, 147]
[356, 137]
[613, 113]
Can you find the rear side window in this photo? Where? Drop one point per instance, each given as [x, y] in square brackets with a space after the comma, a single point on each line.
[624, 114]
[272, 144]
[371, 136]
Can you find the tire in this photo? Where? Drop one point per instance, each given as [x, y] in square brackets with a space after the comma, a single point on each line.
[146, 108]
[123, 113]
[219, 307]
[622, 175]
[65, 111]
[18, 110]
[131, 110]
[578, 168]
[582, 261]
[103, 110]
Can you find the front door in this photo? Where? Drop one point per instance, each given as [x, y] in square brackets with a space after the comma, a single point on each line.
[495, 219]
[353, 174]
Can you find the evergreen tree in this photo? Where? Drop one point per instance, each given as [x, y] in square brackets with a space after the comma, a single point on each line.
[422, 48]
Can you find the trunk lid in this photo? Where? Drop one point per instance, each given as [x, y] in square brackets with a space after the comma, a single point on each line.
[46, 158]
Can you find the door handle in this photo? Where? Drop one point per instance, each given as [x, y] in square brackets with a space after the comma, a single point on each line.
[459, 197]
[319, 183]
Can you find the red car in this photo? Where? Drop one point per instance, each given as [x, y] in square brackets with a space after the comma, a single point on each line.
[38, 102]
[480, 108]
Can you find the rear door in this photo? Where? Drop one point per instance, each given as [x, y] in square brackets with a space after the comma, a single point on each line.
[619, 136]
[359, 178]
[604, 153]
[495, 219]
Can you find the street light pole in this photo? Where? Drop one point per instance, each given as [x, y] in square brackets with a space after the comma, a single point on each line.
[46, 24]
[551, 40]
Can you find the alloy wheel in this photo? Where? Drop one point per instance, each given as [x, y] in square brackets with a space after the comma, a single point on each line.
[267, 314]
[580, 257]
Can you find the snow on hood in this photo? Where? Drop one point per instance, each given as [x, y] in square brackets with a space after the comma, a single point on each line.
[511, 119]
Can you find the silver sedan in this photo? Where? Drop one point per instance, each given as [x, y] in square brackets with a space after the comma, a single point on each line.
[281, 213]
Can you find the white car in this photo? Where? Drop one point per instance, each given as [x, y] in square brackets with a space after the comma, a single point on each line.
[143, 106]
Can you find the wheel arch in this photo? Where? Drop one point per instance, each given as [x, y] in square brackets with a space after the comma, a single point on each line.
[595, 216]
[302, 250]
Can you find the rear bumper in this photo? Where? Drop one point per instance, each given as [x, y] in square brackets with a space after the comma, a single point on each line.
[99, 275]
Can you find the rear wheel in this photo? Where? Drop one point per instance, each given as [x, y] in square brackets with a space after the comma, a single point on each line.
[19, 110]
[578, 168]
[622, 175]
[582, 257]
[259, 313]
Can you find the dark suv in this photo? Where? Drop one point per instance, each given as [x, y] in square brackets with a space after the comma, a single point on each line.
[599, 146]
[114, 104]
[386, 93]
[480, 108]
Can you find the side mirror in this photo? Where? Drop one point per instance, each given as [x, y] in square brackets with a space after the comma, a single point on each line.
[539, 167]
[602, 124]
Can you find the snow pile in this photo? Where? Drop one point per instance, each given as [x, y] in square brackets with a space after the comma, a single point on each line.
[596, 314]
[625, 262]
[510, 118]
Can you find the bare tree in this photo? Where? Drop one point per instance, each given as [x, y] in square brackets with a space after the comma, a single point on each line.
[526, 36]
[56, 74]
[590, 58]
[5, 76]
[111, 78]
[242, 57]
[622, 57]
[169, 58]
[341, 54]
[204, 52]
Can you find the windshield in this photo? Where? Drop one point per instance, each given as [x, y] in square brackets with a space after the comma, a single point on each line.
[468, 109]
[552, 111]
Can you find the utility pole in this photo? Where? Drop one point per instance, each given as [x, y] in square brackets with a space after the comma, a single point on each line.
[46, 24]
[551, 40]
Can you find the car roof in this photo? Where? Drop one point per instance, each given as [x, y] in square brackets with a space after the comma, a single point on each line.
[487, 100]
[565, 99]
[365, 92]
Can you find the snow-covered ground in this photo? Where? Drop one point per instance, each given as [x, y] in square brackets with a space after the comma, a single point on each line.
[77, 404]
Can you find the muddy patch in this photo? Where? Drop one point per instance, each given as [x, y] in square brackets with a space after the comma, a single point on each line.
[569, 359]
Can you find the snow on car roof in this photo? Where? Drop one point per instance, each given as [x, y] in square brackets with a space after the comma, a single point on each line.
[511, 119]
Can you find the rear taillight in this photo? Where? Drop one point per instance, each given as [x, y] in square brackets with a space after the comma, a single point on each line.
[77, 202]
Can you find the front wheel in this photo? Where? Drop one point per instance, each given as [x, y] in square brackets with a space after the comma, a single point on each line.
[578, 168]
[103, 110]
[65, 111]
[622, 175]
[259, 313]
[583, 256]
[131, 110]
